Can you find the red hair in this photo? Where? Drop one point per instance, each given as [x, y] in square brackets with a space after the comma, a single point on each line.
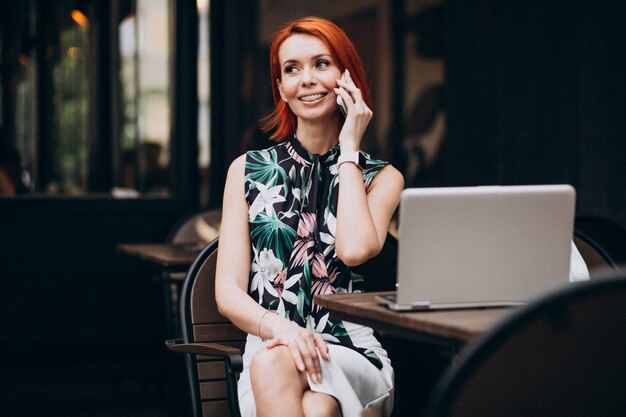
[341, 50]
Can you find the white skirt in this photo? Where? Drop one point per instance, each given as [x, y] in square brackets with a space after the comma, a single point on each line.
[349, 377]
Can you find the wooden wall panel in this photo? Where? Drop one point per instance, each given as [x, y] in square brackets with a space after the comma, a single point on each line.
[536, 95]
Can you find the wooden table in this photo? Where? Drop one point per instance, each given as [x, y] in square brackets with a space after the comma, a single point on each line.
[449, 328]
[421, 345]
[173, 260]
[168, 256]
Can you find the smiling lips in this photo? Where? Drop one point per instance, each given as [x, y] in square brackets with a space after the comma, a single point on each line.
[313, 97]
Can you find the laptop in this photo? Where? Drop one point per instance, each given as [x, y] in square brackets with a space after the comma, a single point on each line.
[486, 246]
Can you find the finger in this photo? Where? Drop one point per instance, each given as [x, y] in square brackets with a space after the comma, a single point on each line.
[354, 95]
[297, 357]
[348, 101]
[311, 344]
[272, 343]
[350, 81]
[322, 346]
[279, 341]
[349, 84]
[352, 107]
[307, 358]
[349, 88]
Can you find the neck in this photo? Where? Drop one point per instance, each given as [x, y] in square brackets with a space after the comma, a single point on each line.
[318, 137]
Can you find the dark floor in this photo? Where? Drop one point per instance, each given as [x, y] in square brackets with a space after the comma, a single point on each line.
[152, 382]
[92, 383]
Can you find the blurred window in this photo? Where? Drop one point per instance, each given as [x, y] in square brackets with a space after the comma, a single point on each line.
[204, 111]
[91, 104]
[144, 74]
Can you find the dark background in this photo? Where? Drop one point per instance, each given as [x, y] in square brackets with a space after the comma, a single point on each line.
[535, 93]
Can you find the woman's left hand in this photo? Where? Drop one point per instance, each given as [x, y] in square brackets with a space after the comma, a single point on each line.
[304, 346]
[358, 115]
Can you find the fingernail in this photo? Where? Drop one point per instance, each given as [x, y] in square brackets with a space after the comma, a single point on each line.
[319, 377]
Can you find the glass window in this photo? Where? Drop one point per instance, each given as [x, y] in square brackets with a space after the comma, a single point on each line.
[68, 133]
[91, 106]
[23, 123]
[204, 111]
[145, 105]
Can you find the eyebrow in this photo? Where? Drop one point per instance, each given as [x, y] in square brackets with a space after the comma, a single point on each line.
[313, 58]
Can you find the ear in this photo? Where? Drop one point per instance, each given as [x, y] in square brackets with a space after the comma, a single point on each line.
[280, 90]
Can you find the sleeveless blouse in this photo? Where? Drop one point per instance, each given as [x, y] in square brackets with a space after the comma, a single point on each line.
[292, 197]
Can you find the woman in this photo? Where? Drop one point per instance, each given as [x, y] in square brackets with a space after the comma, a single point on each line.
[289, 232]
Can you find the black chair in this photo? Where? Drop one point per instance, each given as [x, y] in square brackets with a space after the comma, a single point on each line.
[211, 343]
[195, 229]
[601, 242]
[381, 270]
[199, 226]
[562, 355]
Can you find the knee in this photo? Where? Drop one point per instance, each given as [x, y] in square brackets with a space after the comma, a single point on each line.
[272, 365]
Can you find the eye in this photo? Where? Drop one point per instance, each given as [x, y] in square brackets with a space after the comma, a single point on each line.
[290, 69]
[322, 63]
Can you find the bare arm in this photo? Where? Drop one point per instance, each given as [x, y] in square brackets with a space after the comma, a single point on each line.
[231, 282]
[362, 218]
[233, 259]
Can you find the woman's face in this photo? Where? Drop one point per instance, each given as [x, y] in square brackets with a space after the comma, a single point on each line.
[308, 77]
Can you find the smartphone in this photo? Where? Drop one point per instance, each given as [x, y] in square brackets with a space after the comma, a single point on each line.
[342, 107]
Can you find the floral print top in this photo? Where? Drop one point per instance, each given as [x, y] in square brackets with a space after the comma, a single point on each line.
[292, 197]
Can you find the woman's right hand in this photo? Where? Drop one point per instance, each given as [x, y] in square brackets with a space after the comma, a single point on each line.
[358, 115]
[303, 345]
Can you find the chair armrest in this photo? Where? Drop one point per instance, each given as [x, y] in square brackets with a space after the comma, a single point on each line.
[230, 354]
[210, 349]
[233, 363]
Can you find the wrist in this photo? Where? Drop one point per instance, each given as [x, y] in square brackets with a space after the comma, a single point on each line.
[274, 325]
[264, 325]
[348, 147]
[354, 157]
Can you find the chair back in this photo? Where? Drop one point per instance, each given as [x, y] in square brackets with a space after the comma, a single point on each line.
[380, 272]
[201, 322]
[601, 242]
[561, 355]
[198, 227]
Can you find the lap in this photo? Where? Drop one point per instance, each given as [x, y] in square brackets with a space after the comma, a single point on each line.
[348, 379]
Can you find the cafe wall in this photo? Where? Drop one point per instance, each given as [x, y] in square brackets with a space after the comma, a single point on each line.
[535, 94]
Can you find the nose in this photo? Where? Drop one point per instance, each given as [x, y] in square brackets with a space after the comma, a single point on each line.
[307, 77]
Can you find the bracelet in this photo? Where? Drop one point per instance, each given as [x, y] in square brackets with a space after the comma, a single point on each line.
[258, 326]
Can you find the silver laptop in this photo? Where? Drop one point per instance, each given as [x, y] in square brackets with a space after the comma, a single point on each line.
[485, 246]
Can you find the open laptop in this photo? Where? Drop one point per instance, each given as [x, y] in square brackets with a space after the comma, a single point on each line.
[487, 246]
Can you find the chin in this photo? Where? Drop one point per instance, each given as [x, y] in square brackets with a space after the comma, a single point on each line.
[315, 114]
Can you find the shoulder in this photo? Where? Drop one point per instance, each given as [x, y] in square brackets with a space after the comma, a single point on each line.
[236, 174]
[263, 154]
[237, 167]
[376, 171]
[390, 178]
[372, 164]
